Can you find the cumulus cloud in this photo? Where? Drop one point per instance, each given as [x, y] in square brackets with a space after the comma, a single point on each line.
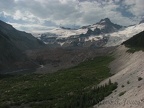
[33, 15]
[136, 7]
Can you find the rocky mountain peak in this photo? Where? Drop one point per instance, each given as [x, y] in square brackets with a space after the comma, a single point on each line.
[142, 21]
[105, 21]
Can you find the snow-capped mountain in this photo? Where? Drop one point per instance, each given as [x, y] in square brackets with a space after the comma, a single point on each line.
[103, 33]
[102, 27]
[117, 38]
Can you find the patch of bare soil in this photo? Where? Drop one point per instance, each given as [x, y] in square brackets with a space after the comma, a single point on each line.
[52, 60]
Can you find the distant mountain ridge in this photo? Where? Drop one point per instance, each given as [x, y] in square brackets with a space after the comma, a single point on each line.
[105, 25]
[102, 27]
[86, 36]
[101, 34]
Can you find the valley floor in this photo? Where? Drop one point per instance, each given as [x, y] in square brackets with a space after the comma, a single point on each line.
[76, 87]
[71, 88]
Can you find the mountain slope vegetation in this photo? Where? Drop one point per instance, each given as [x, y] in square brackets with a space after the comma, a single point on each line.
[136, 41]
[71, 88]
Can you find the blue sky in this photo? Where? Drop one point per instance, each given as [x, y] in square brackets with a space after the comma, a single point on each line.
[41, 15]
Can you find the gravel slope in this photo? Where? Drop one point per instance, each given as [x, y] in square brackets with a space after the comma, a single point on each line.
[127, 68]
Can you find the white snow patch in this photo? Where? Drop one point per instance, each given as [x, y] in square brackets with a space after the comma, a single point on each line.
[117, 38]
[93, 38]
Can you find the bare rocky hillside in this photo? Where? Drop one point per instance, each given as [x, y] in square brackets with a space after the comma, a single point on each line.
[52, 60]
[128, 70]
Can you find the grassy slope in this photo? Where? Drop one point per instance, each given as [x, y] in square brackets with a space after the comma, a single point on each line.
[53, 90]
[135, 43]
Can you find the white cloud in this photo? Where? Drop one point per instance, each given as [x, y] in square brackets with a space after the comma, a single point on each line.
[69, 12]
[25, 16]
[32, 27]
[136, 7]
